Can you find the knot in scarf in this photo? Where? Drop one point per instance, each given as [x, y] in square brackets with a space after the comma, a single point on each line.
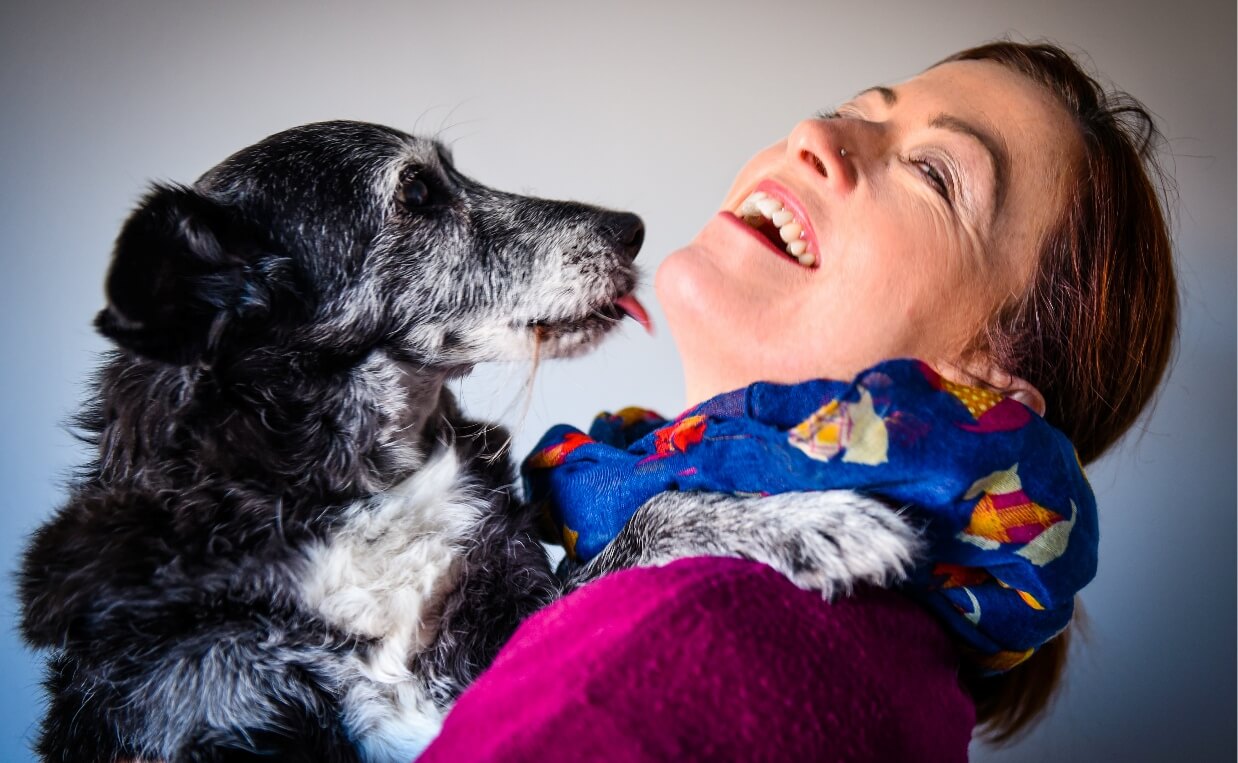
[999, 494]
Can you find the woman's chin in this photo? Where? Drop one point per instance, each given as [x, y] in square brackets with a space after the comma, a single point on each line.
[696, 296]
[680, 282]
[689, 287]
[711, 322]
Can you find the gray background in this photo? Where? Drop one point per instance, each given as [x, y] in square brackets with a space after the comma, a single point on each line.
[651, 108]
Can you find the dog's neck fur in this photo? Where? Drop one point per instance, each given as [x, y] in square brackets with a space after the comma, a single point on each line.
[283, 425]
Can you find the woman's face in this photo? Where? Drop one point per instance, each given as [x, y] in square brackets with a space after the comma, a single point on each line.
[919, 210]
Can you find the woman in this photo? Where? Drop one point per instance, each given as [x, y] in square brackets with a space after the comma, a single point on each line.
[994, 217]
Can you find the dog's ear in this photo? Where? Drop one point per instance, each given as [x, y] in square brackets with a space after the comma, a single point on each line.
[183, 268]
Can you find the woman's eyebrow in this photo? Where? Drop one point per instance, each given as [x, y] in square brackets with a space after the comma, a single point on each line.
[888, 95]
[994, 146]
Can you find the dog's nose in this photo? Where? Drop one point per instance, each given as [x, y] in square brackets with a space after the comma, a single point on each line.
[627, 231]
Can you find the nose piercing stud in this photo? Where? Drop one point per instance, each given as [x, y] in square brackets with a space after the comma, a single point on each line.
[842, 152]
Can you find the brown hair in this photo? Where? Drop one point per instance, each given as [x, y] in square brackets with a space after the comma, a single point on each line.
[1095, 332]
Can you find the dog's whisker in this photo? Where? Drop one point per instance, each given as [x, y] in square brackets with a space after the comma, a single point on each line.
[425, 113]
[443, 126]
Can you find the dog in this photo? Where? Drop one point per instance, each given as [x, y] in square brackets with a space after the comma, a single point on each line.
[291, 543]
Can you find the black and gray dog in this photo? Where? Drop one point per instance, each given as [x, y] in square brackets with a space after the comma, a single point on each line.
[291, 544]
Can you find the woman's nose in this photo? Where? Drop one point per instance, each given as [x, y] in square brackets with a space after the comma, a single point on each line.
[820, 147]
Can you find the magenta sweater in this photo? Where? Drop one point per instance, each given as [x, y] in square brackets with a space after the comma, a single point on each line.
[716, 659]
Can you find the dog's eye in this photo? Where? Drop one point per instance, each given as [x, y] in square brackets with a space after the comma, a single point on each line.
[414, 192]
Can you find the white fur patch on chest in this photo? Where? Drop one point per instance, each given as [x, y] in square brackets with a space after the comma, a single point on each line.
[382, 576]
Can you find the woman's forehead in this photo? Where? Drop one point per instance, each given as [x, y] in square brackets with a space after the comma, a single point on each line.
[1016, 110]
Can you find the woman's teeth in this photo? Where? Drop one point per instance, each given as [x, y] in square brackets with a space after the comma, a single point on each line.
[760, 207]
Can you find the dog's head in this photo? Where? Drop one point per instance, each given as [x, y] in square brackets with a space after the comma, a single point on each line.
[340, 237]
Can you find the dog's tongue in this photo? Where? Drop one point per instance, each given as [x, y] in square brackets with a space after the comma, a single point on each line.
[630, 305]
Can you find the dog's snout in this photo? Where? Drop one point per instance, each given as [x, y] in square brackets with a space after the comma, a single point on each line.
[627, 231]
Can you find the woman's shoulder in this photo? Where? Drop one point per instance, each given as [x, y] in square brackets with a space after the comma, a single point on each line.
[715, 658]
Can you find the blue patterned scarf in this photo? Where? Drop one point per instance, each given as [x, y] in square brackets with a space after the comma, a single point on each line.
[1000, 494]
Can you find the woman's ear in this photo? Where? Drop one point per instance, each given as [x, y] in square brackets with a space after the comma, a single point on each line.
[984, 373]
[1025, 392]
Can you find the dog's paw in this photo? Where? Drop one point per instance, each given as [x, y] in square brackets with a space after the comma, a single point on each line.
[830, 541]
[825, 541]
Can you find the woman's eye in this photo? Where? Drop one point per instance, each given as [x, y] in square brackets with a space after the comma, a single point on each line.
[826, 114]
[934, 176]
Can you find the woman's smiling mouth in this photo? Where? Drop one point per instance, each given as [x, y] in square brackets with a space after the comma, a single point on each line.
[776, 216]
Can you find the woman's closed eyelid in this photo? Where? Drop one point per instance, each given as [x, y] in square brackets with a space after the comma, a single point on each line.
[938, 174]
[842, 112]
